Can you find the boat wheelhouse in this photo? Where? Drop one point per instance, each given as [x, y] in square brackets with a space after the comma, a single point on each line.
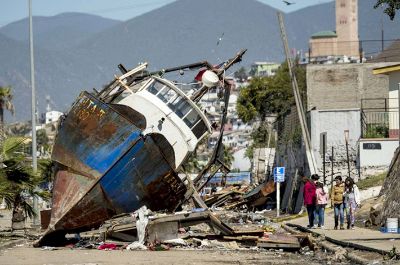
[121, 148]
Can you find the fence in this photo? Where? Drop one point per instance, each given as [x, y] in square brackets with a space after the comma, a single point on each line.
[379, 118]
[328, 52]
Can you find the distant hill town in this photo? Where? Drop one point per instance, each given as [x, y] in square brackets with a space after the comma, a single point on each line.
[75, 51]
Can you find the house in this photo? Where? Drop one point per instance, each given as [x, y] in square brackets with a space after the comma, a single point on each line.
[380, 124]
[351, 97]
[390, 54]
[260, 69]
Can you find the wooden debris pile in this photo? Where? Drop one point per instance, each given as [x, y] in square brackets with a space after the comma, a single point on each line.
[235, 197]
[198, 230]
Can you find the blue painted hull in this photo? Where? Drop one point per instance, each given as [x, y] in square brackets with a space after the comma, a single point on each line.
[105, 166]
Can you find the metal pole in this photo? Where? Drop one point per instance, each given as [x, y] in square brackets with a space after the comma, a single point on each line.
[332, 159]
[382, 32]
[34, 159]
[398, 110]
[278, 198]
[323, 158]
[299, 105]
[347, 154]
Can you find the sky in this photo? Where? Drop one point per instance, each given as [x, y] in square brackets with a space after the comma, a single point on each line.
[13, 10]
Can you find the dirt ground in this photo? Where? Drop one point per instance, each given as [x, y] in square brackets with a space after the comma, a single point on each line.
[27, 255]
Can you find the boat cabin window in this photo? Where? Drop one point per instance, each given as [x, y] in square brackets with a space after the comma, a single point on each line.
[180, 106]
[162, 91]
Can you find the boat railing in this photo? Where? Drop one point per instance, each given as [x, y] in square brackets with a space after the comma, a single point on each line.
[120, 83]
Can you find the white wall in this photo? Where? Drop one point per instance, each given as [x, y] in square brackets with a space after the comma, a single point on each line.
[377, 157]
[240, 161]
[334, 122]
[394, 80]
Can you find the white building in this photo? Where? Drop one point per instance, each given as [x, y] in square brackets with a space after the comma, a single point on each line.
[52, 116]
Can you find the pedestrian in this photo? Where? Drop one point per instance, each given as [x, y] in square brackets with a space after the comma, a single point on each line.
[310, 199]
[351, 199]
[322, 201]
[337, 201]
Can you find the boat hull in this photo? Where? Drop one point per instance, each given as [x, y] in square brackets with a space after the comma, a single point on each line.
[105, 167]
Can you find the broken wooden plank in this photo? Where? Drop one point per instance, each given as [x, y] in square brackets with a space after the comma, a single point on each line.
[278, 245]
[221, 226]
[122, 236]
[279, 238]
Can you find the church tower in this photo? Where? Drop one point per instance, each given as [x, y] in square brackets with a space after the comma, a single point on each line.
[347, 27]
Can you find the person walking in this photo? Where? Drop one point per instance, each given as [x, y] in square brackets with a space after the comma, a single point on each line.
[322, 201]
[351, 199]
[310, 197]
[337, 201]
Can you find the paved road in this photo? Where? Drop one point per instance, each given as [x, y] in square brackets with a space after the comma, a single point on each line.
[24, 254]
[360, 236]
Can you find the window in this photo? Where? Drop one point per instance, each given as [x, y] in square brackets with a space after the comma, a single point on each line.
[180, 106]
[162, 91]
[199, 129]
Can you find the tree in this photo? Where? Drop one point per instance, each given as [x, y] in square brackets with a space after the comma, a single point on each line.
[391, 7]
[228, 156]
[18, 182]
[241, 74]
[192, 165]
[269, 95]
[5, 103]
[42, 142]
[265, 96]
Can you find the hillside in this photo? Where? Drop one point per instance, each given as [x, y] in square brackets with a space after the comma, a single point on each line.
[58, 32]
[179, 33]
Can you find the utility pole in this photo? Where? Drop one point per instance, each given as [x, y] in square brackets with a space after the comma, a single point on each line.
[346, 138]
[398, 110]
[34, 152]
[299, 105]
[323, 156]
[332, 160]
[382, 31]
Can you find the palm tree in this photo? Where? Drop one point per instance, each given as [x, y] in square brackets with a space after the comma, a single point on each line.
[5, 103]
[17, 180]
[228, 156]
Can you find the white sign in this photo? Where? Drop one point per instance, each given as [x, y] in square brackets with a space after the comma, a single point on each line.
[279, 174]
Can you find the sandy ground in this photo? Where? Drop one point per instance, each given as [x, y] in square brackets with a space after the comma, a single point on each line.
[28, 255]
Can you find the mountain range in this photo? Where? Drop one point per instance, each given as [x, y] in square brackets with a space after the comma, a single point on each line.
[75, 51]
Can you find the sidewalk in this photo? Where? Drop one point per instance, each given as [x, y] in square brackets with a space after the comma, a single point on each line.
[361, 238]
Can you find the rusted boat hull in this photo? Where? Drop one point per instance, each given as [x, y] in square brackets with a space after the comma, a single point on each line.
[105, 166]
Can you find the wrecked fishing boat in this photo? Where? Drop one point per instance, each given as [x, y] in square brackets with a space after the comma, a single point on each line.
[121, 148]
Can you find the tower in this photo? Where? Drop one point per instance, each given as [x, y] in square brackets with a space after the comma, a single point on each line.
[347, 27]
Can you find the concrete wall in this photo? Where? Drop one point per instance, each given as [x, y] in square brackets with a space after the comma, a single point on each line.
[334, 122]
[394, 80]
[240, 161]
[342, 86]
[323, 47]
[377, 157]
